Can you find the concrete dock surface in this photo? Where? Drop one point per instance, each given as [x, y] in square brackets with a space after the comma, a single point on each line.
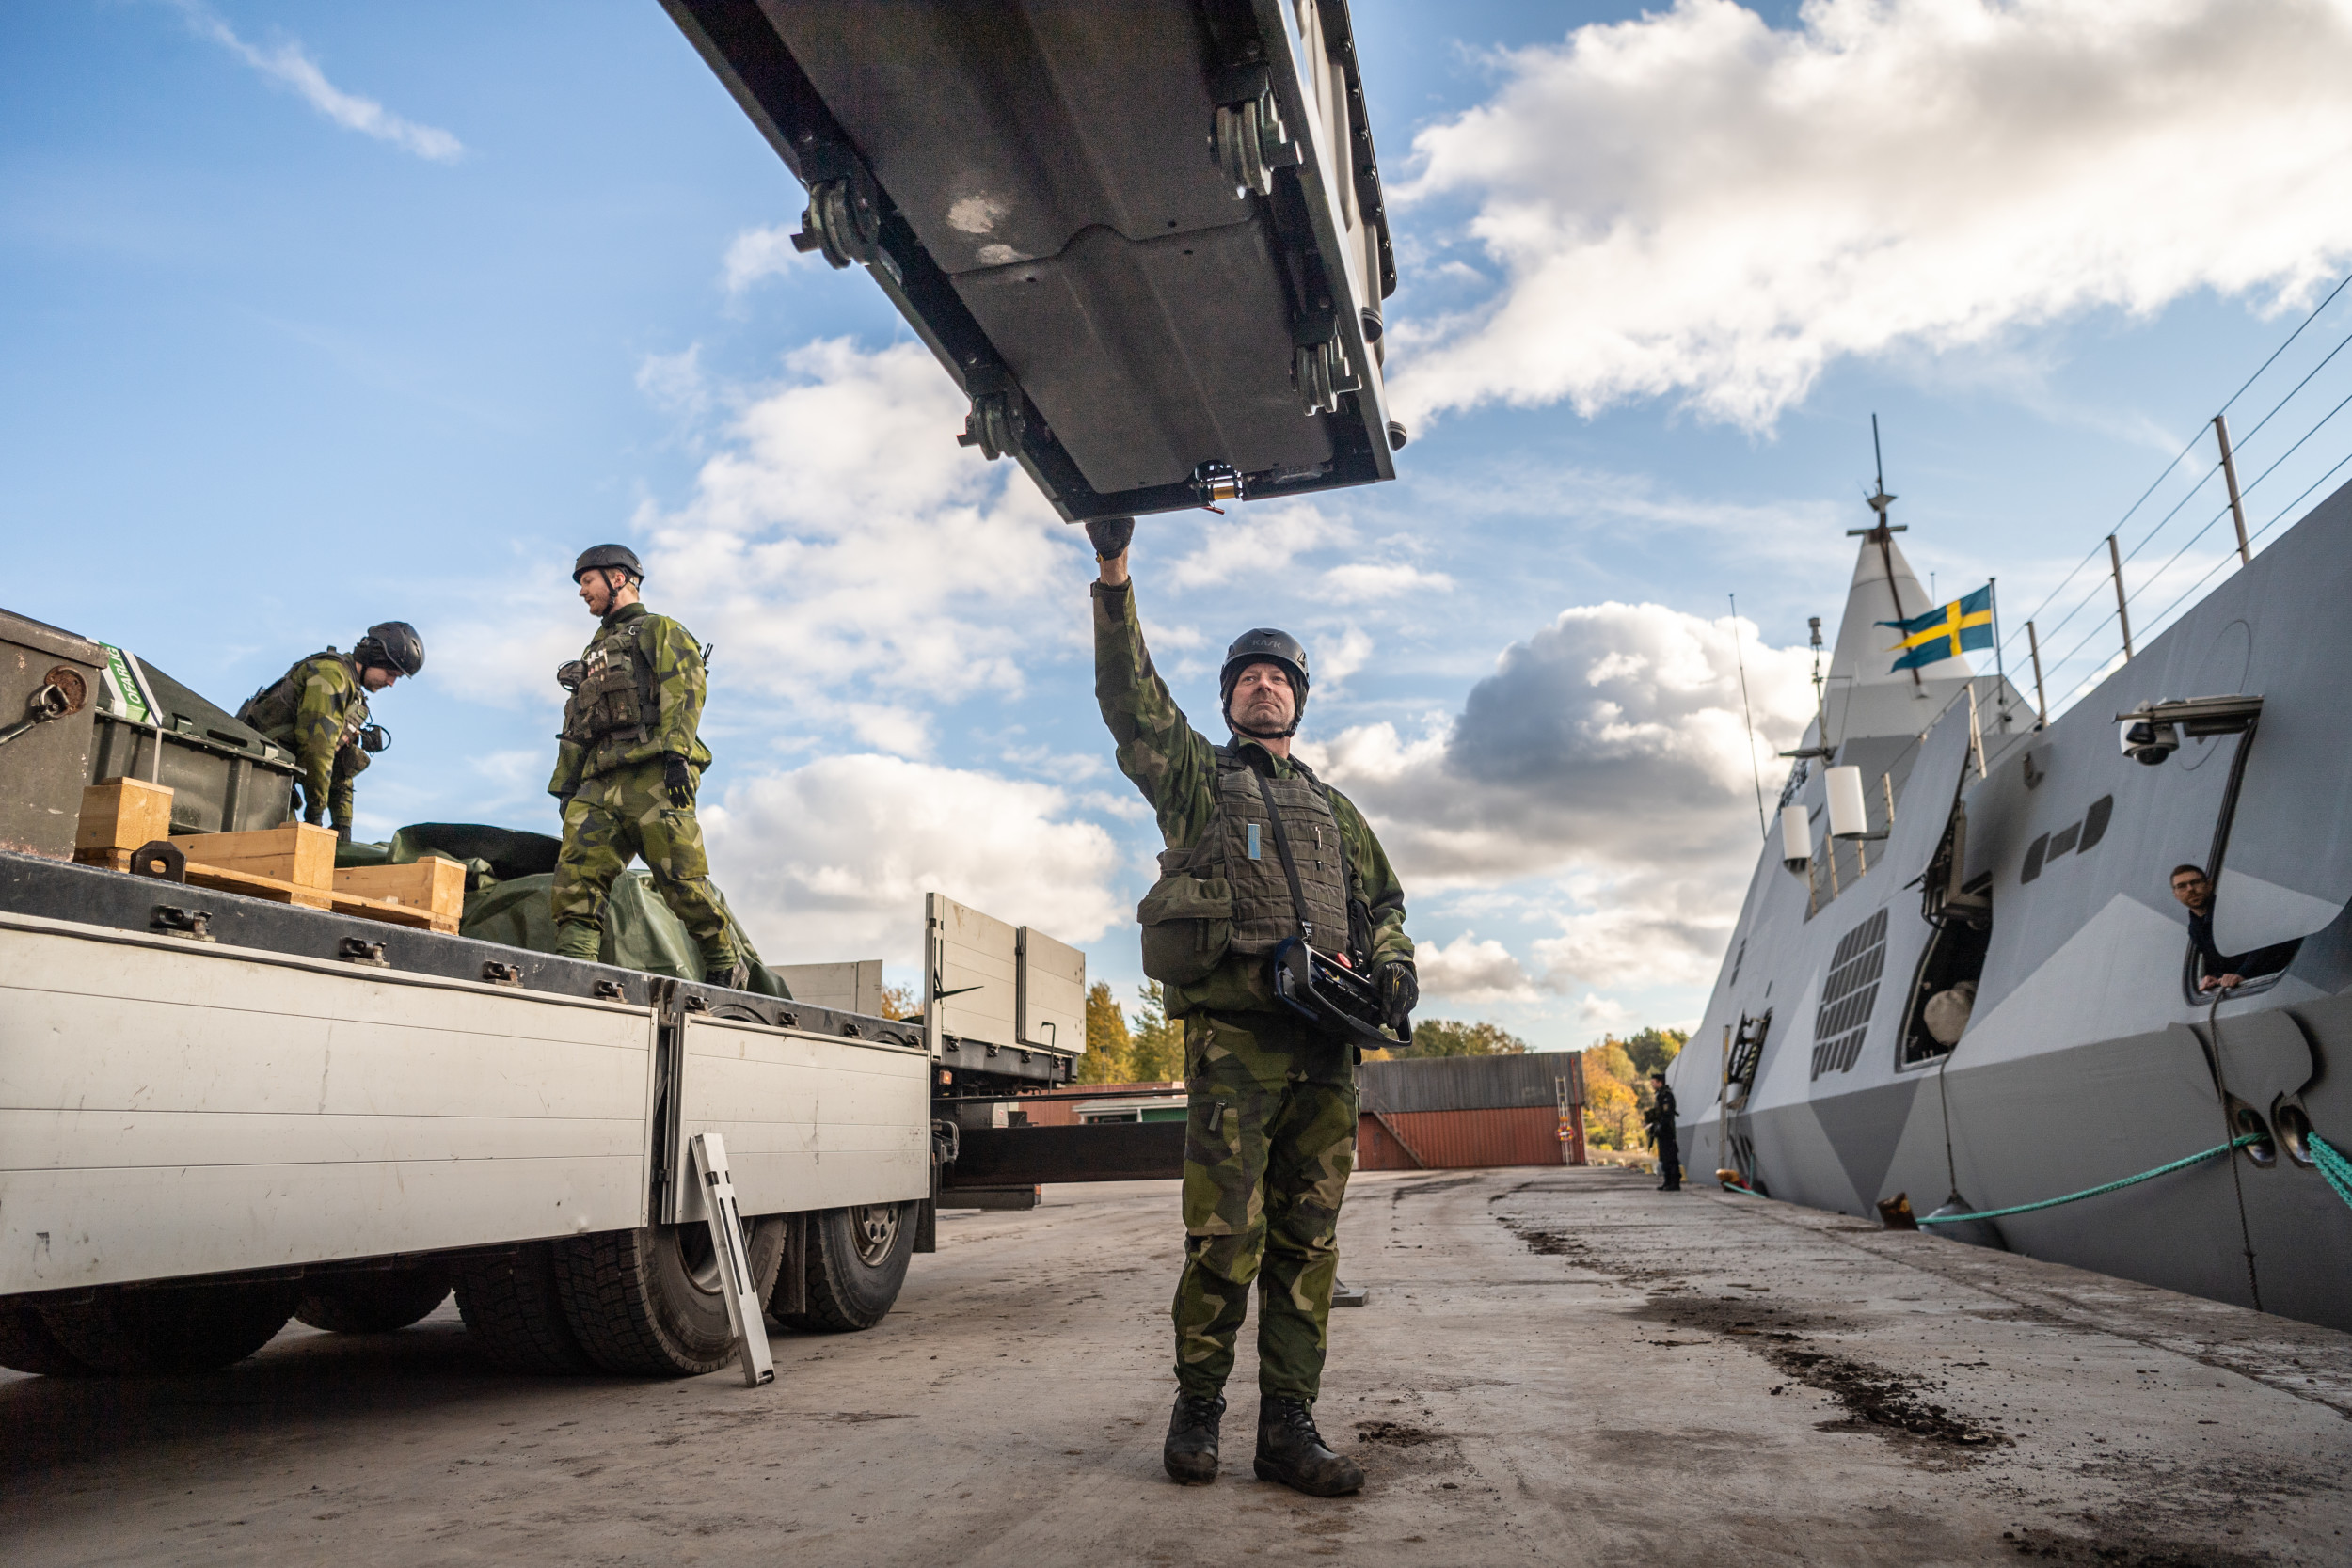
[1555, 1367]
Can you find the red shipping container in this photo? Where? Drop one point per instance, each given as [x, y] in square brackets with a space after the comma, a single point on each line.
[1459, 1140]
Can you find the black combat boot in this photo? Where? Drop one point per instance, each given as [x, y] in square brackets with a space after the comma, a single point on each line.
[1190, 1454]
[1290, 1450]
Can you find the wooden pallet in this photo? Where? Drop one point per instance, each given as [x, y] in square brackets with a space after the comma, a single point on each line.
[293, 864]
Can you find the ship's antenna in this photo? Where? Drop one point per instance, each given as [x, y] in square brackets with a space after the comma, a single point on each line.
[1820, 701]
[1754, 770]
[1882, 535]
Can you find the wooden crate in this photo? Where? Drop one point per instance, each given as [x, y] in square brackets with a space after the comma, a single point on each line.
[297, 854]
[116, 817]
[431, 887]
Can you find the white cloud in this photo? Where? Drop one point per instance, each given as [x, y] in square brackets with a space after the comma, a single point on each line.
[1469, 971]
[1613, 736]
[1609, 752]
[290, 63]
[1692, 202]
[759, 253]
[1339, 659]
[675, 382]
[1601, 1012]
[1255, 545]
[852, 563]
[1367, 580]
[830, 861]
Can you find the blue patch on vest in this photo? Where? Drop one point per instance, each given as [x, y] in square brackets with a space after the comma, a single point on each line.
[1254, 841]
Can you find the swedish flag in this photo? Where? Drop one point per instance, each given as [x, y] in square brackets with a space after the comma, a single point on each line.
[1945, 632]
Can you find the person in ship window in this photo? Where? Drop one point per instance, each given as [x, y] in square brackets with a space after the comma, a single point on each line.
[2217, 970]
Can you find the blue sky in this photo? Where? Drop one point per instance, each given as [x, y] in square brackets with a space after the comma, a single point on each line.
[318, 315]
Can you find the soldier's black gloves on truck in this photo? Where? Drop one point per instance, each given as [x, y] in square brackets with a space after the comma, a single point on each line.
[1399, 993]
[1110, 535]
[678, 779]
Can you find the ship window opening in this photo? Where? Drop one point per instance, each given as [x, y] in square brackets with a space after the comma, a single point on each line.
[2063, 840]
[1848, 995]
[1950, 970]
[2034, 852]
[2096, 823]
[1737, 959]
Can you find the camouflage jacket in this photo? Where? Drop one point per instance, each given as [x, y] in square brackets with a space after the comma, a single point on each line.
[316, 710]
[1175, 767]
[668, 664]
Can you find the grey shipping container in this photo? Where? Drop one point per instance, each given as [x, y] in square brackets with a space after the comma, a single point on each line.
[1546, 1078]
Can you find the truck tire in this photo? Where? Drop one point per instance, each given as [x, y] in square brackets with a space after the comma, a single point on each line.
[513, 1314]
[185, 1328]
[857, 1263]
[373, 1303]
[647, 1303]
[28, 1346]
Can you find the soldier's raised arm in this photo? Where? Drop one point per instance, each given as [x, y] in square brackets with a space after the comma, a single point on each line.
[1169, 760]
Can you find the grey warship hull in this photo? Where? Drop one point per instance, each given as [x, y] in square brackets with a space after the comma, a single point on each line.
[2034, 861]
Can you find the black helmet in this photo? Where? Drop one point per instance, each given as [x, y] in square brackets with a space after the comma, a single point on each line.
[619, 558]
[390, 645]
[1264, 647]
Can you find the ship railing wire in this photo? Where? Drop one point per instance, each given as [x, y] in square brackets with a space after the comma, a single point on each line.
[2098, 651]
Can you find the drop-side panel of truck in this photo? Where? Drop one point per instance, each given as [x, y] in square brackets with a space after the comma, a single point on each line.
[170, 1107]
[810, 1123]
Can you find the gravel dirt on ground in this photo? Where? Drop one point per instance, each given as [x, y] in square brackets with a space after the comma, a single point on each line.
[1555, 1367]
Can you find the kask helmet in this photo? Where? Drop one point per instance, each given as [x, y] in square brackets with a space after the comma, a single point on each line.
[390, 645]
[1264, 646]
[617, 558]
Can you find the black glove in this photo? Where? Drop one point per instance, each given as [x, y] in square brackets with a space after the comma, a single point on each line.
[1110, 535]
[1400, 992]
[678, 779]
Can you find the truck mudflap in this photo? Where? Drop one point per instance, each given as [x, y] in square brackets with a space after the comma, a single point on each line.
[1147, 240]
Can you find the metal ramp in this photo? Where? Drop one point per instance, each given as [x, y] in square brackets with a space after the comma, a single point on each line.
[1147, 240]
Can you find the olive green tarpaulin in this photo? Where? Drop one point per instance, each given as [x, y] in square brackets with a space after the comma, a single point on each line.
[508, 874]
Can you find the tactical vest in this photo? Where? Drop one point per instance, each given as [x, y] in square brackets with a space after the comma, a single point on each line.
[275, 707]
[618, 698]
[1231, 895]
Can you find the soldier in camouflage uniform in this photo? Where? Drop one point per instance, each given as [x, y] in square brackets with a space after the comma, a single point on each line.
[627, 767]
[1257, 848]
[318, 710]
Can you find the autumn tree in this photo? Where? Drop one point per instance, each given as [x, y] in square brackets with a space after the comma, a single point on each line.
[1653, 1048]
[1158, 1054]
[1110, 1049]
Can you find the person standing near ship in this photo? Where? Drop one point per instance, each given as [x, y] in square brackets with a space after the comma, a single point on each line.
[1662, 1130]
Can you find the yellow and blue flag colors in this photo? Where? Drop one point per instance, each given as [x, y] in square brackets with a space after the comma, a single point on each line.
[1945, 632]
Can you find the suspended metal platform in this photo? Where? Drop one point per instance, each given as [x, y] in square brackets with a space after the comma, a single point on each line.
[1146, 239]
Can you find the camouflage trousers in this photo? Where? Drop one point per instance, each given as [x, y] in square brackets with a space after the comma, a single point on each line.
[626, 813]
[1268, 1146]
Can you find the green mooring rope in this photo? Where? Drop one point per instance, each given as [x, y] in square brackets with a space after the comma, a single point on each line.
[2333, 1165]
[2094, 1191]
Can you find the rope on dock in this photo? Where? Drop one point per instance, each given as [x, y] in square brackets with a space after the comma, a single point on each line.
[2333, 1165]
[2215, 1151]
